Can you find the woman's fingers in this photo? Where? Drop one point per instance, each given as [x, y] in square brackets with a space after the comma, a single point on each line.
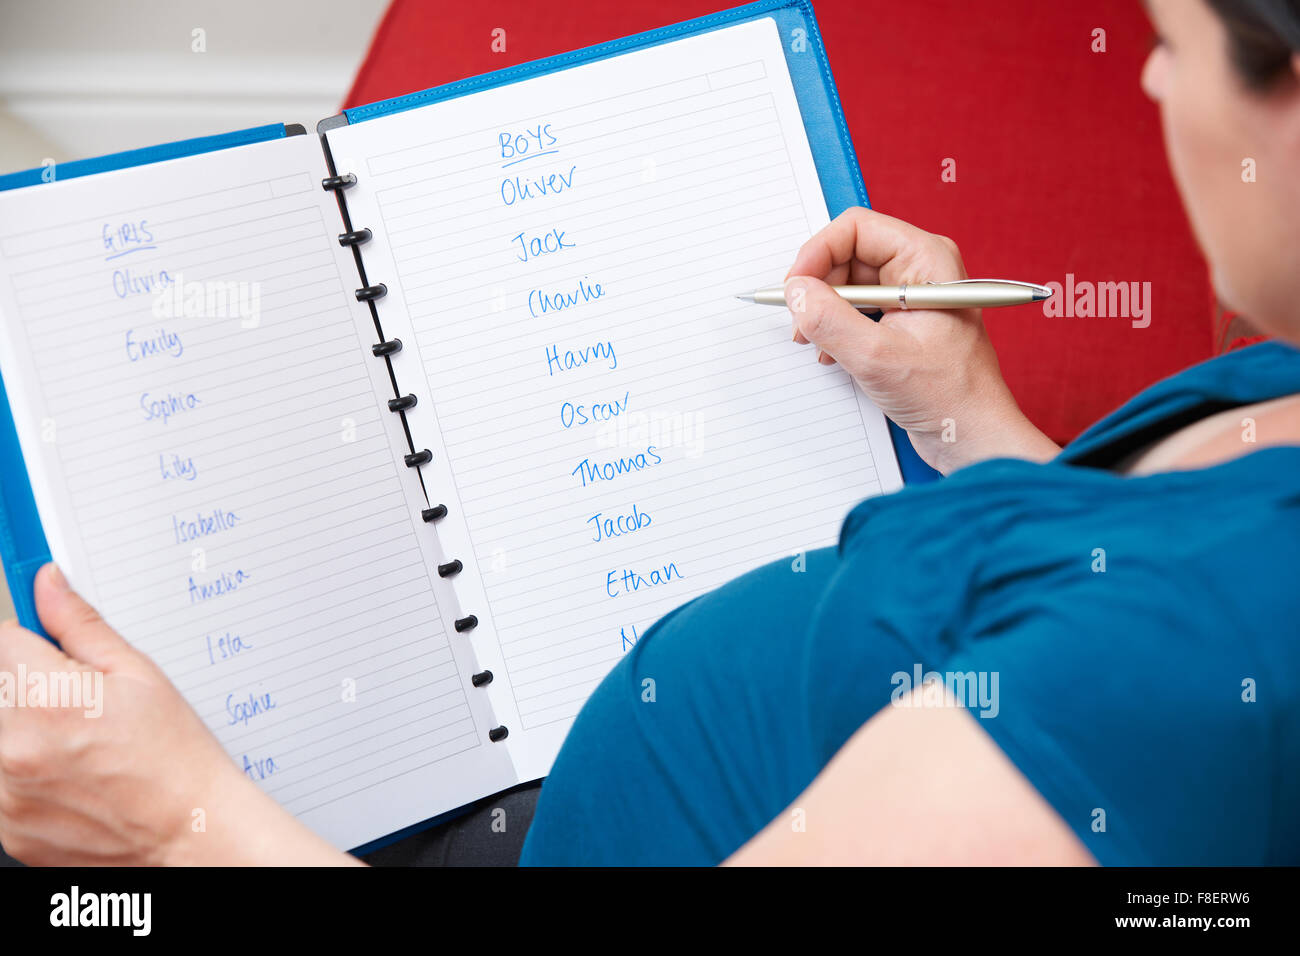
[857, 233]
[76, 625]
[829, 322]
[876, 248]
[20, 646]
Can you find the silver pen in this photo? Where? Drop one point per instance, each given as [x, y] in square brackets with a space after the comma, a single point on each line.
[961, 294]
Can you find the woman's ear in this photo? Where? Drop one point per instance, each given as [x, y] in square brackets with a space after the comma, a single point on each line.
[1289, 87]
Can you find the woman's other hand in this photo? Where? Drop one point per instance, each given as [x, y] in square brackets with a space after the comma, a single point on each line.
[122, 771]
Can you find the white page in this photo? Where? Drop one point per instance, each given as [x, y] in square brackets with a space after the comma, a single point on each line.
[671, 178]
[285, 470]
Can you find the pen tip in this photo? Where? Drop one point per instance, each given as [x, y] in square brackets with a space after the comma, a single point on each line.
[1042, 292]
[746, 297]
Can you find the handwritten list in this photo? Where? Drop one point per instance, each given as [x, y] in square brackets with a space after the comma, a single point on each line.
[618, 433]
[217, 472]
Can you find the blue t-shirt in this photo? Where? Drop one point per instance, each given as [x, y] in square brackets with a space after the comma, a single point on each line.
[1131, 643]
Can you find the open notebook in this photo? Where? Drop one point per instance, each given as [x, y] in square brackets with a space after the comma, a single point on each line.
[387, 576]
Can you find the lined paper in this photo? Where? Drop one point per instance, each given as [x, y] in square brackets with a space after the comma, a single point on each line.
[618, 433]
[224, 481]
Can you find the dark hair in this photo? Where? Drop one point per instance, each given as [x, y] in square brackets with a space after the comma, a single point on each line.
[1262, 36]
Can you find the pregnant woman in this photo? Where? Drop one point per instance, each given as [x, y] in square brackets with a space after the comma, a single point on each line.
[1114, 629]
[1051, 656]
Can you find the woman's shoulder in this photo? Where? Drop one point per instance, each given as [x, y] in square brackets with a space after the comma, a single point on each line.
[1207, 492]
[1203, 551]
[1220, 437]
[1249, 376]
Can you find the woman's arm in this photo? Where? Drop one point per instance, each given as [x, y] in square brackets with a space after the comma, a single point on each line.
[133, 778]
[933, 372]
[919, 784]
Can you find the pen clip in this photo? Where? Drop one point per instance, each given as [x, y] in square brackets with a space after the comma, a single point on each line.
[1023, 285]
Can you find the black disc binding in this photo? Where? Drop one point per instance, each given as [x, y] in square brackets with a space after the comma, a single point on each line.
[401, 404]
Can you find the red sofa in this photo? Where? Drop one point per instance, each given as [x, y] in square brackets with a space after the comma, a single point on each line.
[1057, 154]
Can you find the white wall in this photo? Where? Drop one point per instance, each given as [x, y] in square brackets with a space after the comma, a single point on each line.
[87, 77]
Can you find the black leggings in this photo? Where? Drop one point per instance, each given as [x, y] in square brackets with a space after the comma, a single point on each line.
[471, 839]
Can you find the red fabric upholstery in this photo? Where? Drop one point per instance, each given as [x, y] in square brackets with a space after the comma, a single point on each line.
[1059, 162]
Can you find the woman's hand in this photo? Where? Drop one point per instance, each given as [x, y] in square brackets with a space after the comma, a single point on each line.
[130, 774]
[933, 372]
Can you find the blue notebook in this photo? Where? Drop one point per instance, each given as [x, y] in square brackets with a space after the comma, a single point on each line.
[386, 452]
